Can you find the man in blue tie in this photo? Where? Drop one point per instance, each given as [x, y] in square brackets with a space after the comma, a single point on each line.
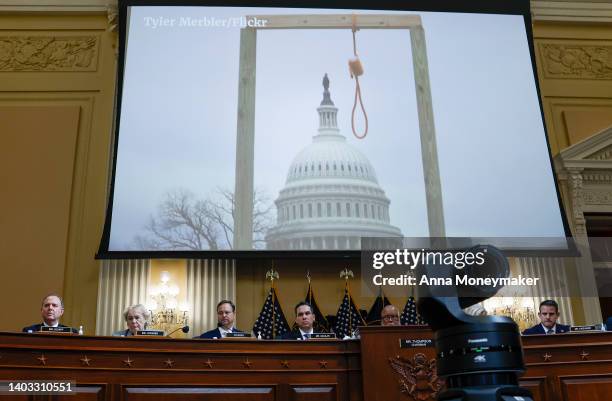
[226, 315]
[51, 311]
[304, 320]
[548, 314]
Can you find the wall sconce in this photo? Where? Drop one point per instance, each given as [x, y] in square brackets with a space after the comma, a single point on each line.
[166, 313]
[520, 309]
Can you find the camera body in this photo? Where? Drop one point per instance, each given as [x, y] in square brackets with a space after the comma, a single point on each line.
[480, 357]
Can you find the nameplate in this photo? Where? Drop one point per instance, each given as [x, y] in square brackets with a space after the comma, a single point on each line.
[322, 336]
[416, 342]
[583, 328]
[237, 334]
[60, 330]
[150, 333]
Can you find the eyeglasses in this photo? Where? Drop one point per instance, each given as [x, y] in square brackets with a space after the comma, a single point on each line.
[390, 317]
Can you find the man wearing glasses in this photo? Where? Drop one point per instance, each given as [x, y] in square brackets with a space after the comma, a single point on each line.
[226, 315]
[390, 316]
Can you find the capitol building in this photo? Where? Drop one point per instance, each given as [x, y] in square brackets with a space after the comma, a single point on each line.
[331, 198]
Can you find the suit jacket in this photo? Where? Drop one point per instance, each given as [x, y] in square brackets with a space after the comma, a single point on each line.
[292, 335]
[216, 333]
[538, 329]
[36, 327]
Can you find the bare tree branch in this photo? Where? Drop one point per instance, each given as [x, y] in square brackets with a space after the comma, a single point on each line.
[183, 222]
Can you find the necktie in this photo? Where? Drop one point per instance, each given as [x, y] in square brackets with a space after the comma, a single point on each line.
[550, 331]
[306, 336]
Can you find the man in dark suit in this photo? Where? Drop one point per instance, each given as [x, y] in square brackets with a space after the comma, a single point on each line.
[304, 319]
[390, 316]
[548, 314]
[51, 311]
[226, 315]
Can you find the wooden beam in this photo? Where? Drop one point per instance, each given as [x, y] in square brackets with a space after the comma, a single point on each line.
[245, 142]
[246, 108]
[335, 21]
[429, 149]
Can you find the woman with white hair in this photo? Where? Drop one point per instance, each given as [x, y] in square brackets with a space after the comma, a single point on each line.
[137, 317]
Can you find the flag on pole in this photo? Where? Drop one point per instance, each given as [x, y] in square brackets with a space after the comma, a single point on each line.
[321, 324]
[271, 322]
[348, 317]
[410, 315]
[374, 315]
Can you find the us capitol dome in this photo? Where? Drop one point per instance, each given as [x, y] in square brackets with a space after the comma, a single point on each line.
[331, 198]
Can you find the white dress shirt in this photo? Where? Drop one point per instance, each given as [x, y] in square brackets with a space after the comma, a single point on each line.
[304, 333]
[224, 331]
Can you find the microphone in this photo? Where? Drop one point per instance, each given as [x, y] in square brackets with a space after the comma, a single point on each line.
[184, 329]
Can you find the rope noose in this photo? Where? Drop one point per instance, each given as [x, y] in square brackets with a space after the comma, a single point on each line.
[356, 70]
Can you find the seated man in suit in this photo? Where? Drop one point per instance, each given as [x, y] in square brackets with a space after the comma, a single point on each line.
[390, 316]
[548, 314]
[304, 320]
[226, 315]
[51, 311]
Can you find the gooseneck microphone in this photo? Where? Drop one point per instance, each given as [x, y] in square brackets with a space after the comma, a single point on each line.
[184, 329]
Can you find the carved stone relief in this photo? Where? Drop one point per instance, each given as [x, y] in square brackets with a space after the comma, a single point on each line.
[417, 377]
[597, 197]
[112, 16]
[48, 53]
[603, 154]
[597, 178]
[575, 185]
[575, 61]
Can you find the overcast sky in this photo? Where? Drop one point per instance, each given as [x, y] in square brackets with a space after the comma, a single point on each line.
[178, 121]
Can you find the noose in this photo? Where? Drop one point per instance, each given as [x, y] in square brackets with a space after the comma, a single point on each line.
[356, 70]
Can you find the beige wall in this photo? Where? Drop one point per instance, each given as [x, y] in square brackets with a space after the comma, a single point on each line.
[57, 74]
[575, 72]
[574, 64]
[55, 126]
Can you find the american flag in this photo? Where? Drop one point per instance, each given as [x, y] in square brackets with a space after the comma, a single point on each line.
[410, 314]
[348, 316]
[321, 324]
[374, 315]
[271, 322]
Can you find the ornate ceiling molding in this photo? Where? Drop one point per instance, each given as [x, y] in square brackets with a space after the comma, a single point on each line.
[576, 11]
[572, 11]
[48, 53]
[576, 61]
[593, 152]
[57, 6]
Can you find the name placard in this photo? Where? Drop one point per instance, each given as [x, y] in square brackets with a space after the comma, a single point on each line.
[416, 342]
[322, 336]
[583, 328]
[57, 330]
[150, 333]
[237, 334]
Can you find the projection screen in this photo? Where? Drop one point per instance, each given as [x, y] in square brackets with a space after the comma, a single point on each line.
[243, 128]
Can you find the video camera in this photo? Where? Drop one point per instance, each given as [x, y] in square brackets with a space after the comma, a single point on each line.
[481, 357]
